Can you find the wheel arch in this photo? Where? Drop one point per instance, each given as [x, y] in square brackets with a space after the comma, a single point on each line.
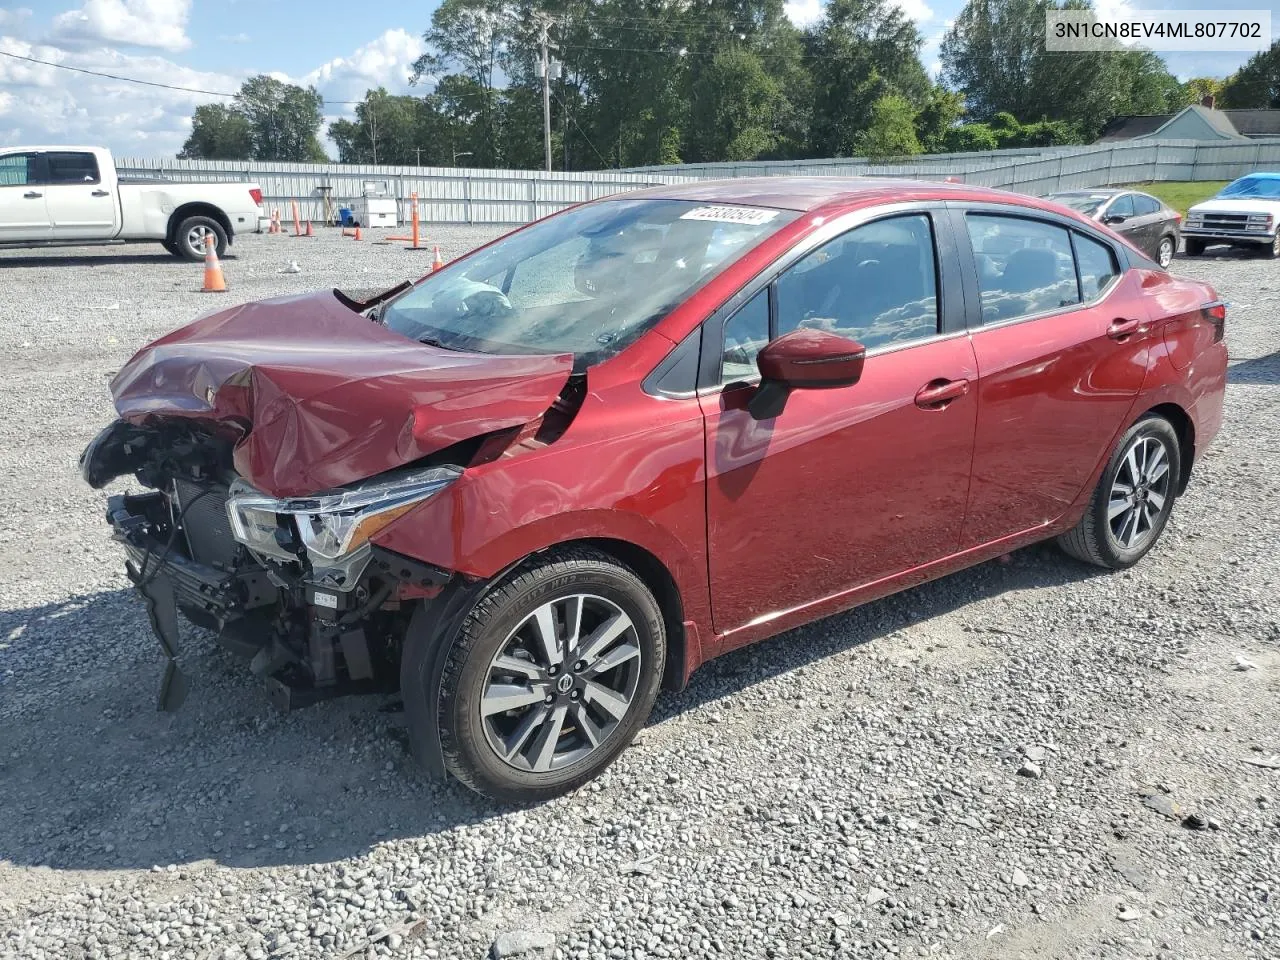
[1185, 428]
[197, 208]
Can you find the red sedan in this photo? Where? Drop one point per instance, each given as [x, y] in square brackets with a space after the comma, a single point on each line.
[528, 491]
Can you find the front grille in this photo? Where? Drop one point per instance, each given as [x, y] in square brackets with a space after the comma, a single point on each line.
[205, 523]
[1225, 221]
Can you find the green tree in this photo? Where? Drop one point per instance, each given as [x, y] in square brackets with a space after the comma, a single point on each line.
[860, 52]
[735, 109]
[994, 53]
[969, 138]
[1256, 84]
[1197, 88]
[941, 112]
[218, 132]
[284, 120]
[892, 131]
[473, 39]
[386, 129]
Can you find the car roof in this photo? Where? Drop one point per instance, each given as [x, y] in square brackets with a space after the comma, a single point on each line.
[1099, 192]
[1259, 175]
[811, 193]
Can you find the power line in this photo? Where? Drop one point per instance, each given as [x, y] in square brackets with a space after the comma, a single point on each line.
[147, 83]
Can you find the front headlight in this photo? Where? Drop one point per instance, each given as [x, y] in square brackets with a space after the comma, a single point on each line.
[331, 525]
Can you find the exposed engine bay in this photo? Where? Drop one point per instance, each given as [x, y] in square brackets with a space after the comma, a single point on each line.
[292, 580]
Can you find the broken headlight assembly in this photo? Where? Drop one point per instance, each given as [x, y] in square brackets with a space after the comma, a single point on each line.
[329, 526]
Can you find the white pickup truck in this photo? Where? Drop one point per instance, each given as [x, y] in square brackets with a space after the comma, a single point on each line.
[1245, 213]
[63, 196]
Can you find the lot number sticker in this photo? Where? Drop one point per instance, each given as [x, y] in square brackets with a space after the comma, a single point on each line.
[748, 215]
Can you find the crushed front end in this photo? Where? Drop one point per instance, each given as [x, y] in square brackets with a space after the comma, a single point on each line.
[293, 584]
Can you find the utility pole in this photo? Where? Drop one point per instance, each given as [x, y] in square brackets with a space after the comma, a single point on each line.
[544, 24]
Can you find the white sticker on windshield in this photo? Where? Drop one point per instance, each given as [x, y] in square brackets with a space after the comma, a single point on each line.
[753, 216]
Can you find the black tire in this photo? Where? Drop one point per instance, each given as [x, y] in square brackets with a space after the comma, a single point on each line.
[1093, 539]
[171, 247]
[488, 628]
[185, 237]
[1272, 250]
[1193, 247]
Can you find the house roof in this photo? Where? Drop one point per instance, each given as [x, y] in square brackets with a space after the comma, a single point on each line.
[1255, 123]
[1227, 124]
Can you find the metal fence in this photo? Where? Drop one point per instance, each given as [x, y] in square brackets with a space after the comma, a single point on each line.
[1036, 171]
[445, 194]
[455, 195]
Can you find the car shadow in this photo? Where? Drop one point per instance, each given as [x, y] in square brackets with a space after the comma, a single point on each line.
[56, 258]
[1265, 370]
[93, 778]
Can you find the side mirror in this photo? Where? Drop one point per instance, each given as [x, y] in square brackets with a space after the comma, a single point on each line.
[805, 359]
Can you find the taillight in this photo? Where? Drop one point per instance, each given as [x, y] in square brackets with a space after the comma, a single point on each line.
[1177, 217]
[1216, 314]
[256, 194]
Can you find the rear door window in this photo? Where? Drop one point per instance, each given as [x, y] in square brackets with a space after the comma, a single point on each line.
[66, 168]
[1144, 206]
[1025, 266]
[17, 169]
[1098, 267]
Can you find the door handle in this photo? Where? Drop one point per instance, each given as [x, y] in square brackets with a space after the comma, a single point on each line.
[100, 193]
[32, 195]
[936, 394]
[1121, 329]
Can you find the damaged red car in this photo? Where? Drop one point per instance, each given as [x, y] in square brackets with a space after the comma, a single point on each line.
[530, 490]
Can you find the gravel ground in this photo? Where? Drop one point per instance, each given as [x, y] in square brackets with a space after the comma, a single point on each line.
[996, 765]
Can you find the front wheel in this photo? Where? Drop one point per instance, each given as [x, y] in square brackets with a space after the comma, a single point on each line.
[1133, 499]
[1272, 249]
[1164, 253]
[1193, 248]
[550, 677]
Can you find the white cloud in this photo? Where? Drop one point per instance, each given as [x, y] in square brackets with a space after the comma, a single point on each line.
[383, 62]
[50, 105]
[803, 12]
[14, 20]
[143, 23]
[44, 104]
[916, 10]
[234, 38]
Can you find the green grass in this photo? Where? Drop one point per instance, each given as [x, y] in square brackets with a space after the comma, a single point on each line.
[1182, 194]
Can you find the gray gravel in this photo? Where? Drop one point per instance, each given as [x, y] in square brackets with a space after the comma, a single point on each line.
[849, 789]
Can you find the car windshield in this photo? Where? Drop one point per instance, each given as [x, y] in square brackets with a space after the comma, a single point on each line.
[1086, 203]
[1268, 187]
[588, 282]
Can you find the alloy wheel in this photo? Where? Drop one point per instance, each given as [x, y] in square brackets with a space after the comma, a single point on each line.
[1166, 252]
[199, 236]
[1139, 492]
[561, 683]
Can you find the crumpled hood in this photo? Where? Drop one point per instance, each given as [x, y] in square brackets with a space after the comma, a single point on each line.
[319, 396]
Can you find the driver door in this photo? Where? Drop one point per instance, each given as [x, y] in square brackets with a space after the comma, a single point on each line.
[846, 486]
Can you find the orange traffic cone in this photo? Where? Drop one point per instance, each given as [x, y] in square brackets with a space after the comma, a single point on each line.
[357, 233]
[436, 260]
[275, 222]
[308, 232]
[214, 281]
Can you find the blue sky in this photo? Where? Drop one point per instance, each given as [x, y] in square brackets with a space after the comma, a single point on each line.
[340, 47]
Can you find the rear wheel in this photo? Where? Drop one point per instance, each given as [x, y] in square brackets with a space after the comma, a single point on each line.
[1133, 499]
[193, 235]
[1194, 248]
[551, 675]
[1164, 253]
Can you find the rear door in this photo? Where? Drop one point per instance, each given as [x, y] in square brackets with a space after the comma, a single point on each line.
[1149, 217]
[23, 214]
[81, 205]
[1061, 342]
